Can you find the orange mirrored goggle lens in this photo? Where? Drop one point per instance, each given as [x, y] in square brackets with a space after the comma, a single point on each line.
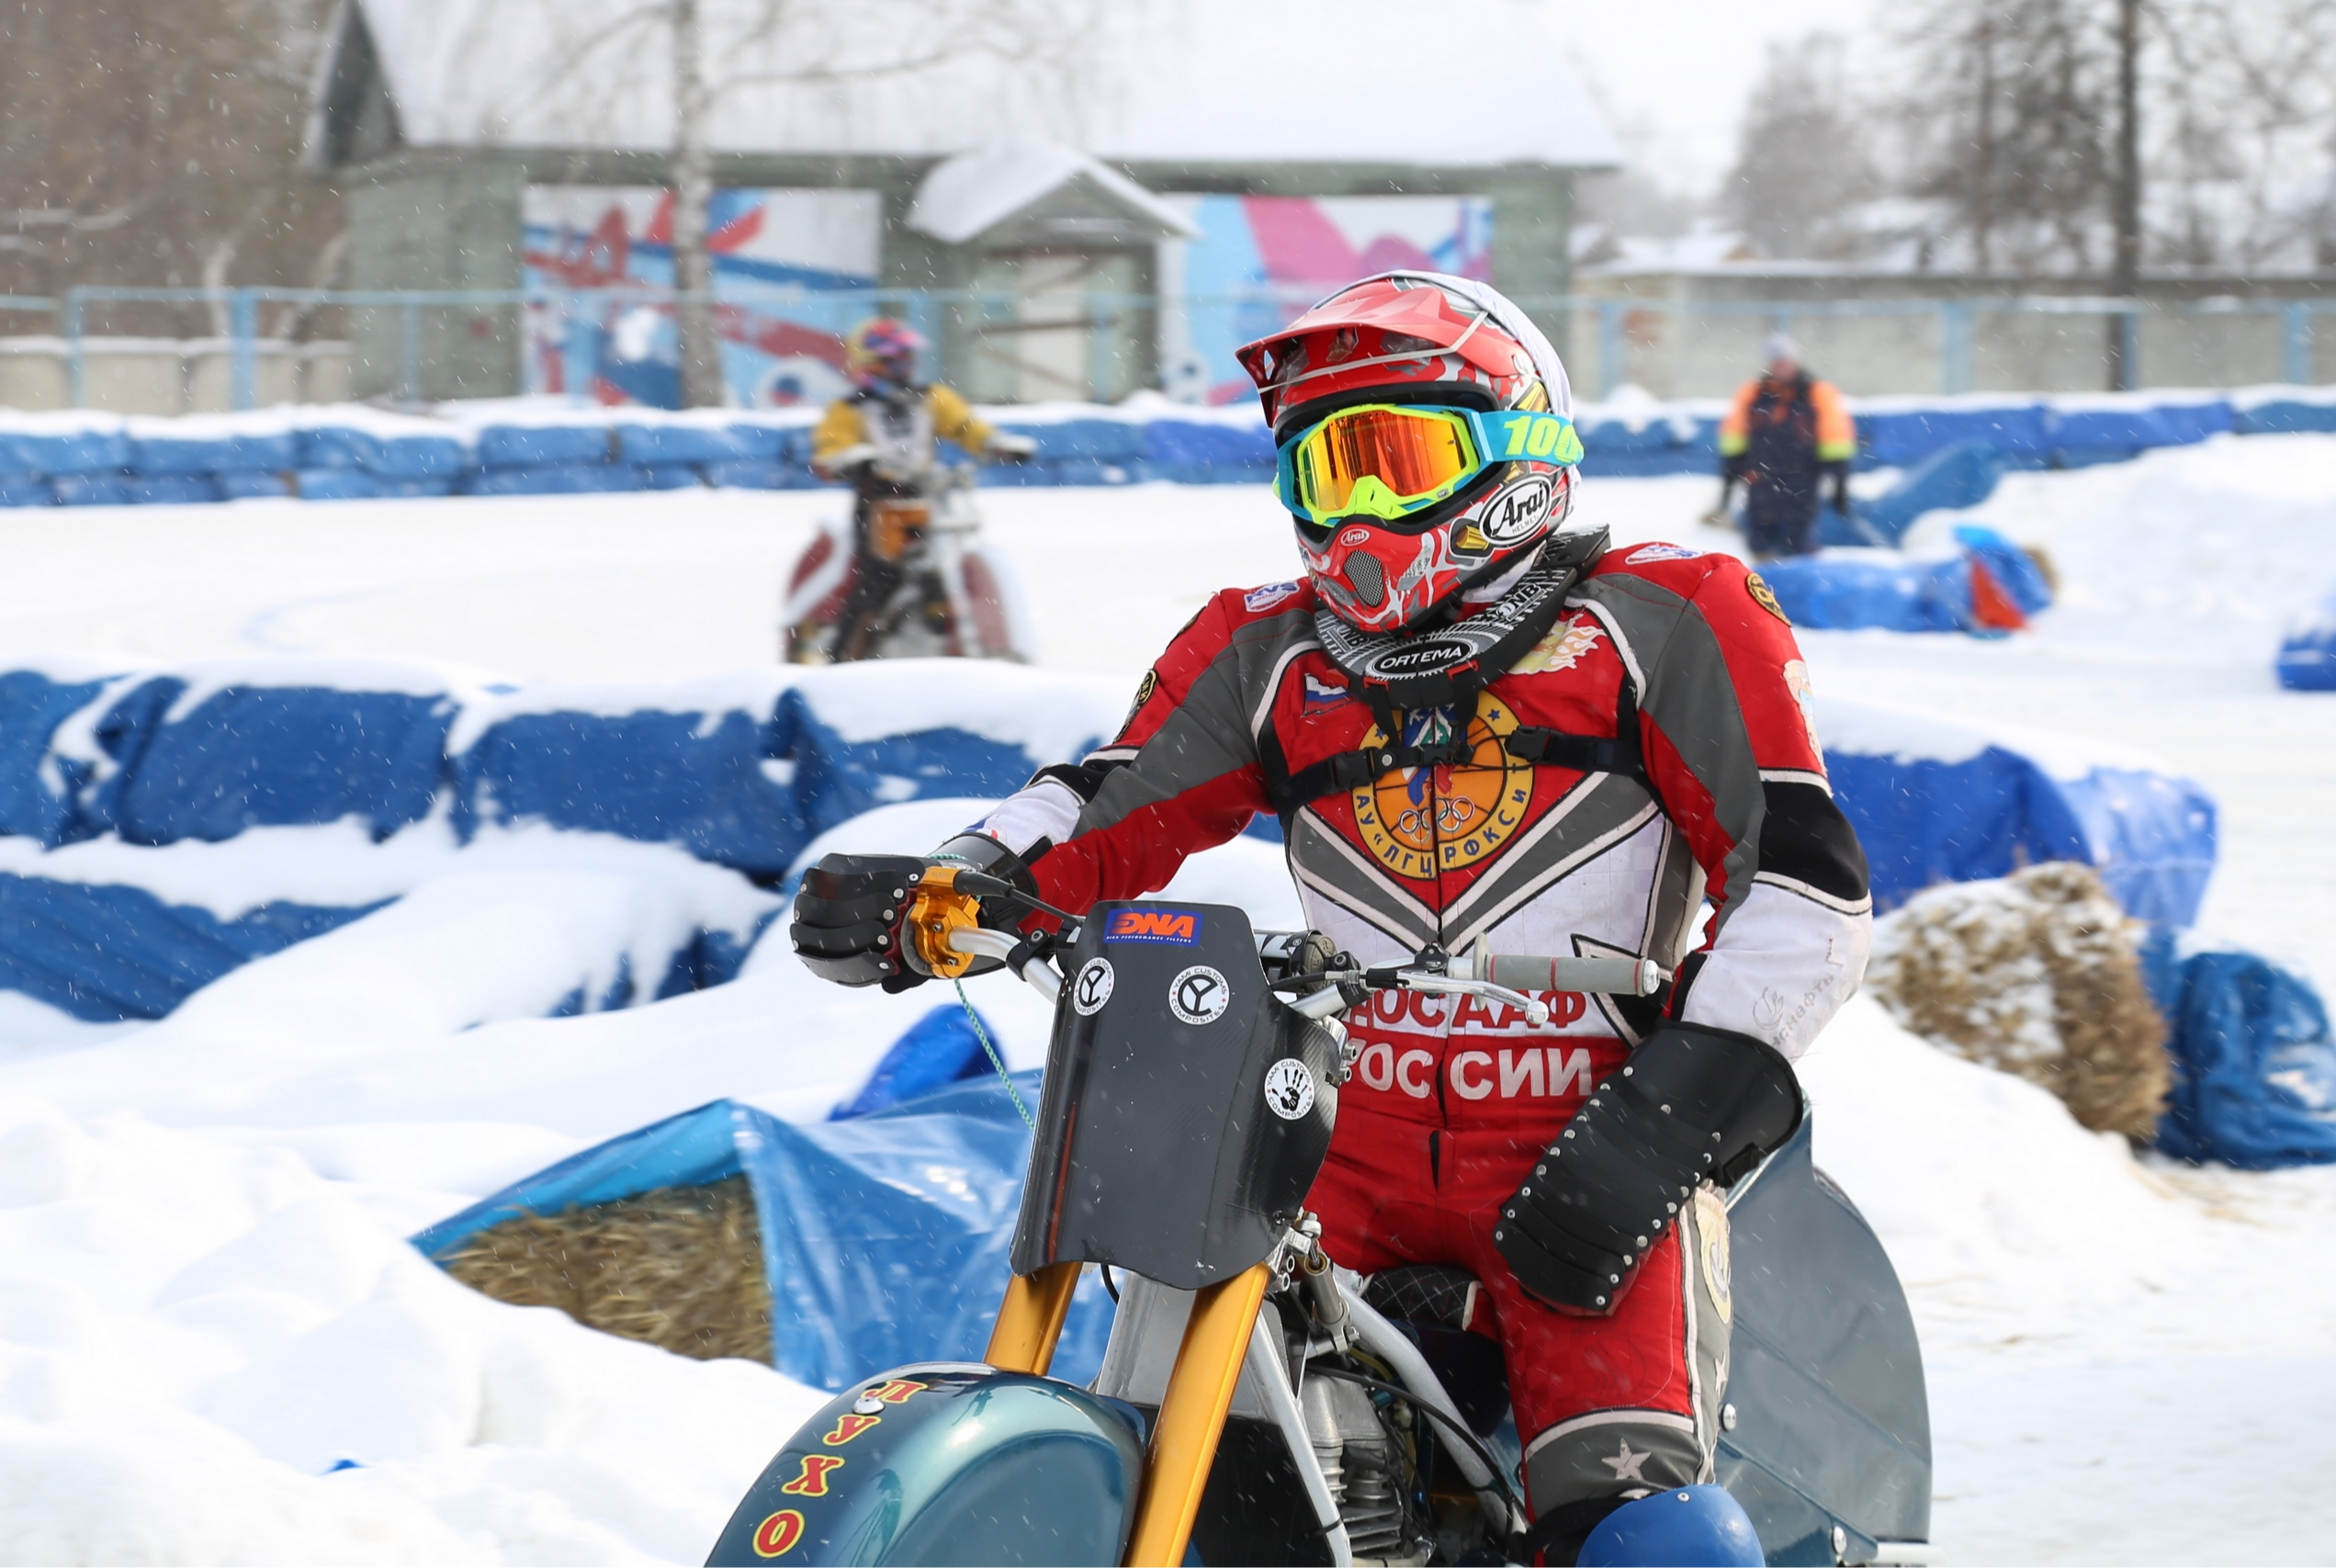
[1412, 452]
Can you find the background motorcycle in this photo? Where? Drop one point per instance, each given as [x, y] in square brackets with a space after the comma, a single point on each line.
[955, 599]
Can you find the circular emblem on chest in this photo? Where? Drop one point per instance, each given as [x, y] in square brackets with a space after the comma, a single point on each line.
[1417, 821]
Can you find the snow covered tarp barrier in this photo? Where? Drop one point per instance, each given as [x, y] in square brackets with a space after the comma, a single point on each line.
[885, 1237]
[742, 773]
[2254, 1064]
[534, 446]
[1985, 583]
[1933, 801]
[106, 931]
[2307, 660]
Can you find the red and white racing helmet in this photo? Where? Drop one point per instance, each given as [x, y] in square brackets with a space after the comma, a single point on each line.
[1426, 442]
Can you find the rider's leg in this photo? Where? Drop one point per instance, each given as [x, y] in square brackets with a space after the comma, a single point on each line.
[1611, 1408]
[873, 582]
[1370, 1190]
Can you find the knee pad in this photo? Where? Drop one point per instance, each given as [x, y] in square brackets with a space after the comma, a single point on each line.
[1697, 1525]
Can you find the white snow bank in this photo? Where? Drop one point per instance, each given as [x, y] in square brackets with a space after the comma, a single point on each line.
[2218, 542]
[2129, 1360]
[512, 927]
[193, 1334]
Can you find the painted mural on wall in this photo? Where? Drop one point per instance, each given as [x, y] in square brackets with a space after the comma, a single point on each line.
[785, 264]
[1263, 259]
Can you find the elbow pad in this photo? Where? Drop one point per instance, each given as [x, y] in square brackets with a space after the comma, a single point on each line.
[1693, 1104]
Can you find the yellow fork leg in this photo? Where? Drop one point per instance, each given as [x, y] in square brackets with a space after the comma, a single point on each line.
[1031, 1319]
[1200, 1392]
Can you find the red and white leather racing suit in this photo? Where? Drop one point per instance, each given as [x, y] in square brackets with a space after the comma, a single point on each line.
[1453, 1100]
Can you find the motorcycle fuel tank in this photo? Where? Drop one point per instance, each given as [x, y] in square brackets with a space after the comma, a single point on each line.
[1187, 1110]
[946, 1463]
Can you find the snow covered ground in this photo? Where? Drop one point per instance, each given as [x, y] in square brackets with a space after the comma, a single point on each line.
[205, 1304]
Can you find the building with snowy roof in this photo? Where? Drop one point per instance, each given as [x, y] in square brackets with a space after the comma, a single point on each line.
[1068, 161]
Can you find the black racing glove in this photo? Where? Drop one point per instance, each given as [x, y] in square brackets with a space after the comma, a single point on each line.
[851, 912]
[847, 918]
[1693, 1104]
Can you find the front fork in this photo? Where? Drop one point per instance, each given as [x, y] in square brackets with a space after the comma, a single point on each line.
[1192, 1412]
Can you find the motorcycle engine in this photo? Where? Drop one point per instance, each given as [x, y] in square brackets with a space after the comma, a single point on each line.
[1369, 1464]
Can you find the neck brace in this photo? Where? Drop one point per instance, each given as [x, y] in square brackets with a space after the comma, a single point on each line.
[1417, 669]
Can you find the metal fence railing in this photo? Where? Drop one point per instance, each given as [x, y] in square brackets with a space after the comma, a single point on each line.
[1013, 346]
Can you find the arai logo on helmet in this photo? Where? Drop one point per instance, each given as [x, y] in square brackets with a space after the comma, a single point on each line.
[1431, 655]
[1512, 514]
[1354, 536]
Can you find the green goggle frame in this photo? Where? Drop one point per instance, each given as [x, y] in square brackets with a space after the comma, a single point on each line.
[1390, 460]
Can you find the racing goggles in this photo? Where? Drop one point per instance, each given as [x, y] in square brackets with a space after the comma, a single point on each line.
[1390, 460]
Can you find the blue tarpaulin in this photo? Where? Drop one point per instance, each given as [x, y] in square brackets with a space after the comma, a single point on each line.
[2285, 416]
[2306, 660]
[885, 1238]
[48, 454]
[403, 456]
[690, 778]
[265, 756]
[836, 779]
[1925, 820]
[110, 952]
[942, 1048]
[242, 453]
[1849, 590]
[536, 446]
[1962, 475]
[2254, 1066]
[1117, 440]
[39, 790]
[1896, 435]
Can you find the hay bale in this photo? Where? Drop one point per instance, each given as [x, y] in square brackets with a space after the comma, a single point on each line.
[680, 1268]
[2038, 973]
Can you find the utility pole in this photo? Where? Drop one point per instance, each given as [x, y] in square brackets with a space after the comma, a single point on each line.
[2126, 263]
[700, 348]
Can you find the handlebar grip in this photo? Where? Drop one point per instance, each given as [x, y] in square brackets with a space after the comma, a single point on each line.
[1612, 977]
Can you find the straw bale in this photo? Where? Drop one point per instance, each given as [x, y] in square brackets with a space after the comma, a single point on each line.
[2037, 973]
[678, 1267]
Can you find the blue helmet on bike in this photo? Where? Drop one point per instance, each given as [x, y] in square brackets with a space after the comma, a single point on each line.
[1699, 1524]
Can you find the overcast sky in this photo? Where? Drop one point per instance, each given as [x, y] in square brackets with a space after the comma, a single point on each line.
[1675, 73]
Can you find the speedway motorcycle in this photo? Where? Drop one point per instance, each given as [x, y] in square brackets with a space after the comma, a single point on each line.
[954, 600]
[1258, 1404]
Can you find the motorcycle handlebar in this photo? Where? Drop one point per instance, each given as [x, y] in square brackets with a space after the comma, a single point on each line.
[1501, 971]
[983, 942]
[1520, 972]
[1523, 972]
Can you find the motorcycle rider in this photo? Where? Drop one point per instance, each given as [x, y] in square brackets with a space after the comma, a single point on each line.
[1477, 723]
[880, 441]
